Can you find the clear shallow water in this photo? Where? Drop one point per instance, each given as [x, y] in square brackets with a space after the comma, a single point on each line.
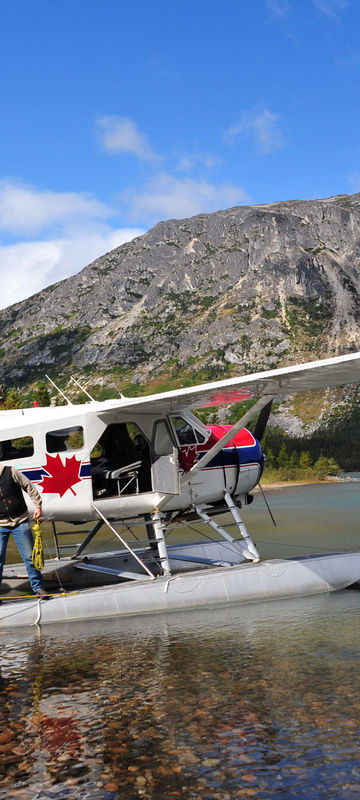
[317, 518]
[259, 701]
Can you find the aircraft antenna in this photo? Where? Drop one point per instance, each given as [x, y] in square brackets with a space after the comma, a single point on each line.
[118, 391]
[82, 388]
[59, 390]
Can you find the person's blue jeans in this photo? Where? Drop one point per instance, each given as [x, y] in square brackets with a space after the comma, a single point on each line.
[24, 543]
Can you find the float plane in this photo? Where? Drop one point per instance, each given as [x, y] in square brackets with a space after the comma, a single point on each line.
[147, 466]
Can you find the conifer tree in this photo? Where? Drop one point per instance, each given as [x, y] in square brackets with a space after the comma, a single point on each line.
[305, 460]
[12, 399]
[41, 395]
[283, 458]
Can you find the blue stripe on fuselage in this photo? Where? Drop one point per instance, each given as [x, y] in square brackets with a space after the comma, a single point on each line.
[233, 456]
[36, 474]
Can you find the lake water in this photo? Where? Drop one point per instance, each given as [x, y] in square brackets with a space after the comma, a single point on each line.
[255, 701]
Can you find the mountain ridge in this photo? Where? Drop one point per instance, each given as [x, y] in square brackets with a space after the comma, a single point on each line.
[232, 292]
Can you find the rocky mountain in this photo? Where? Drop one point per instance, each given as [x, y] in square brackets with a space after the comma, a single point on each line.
[220, 294]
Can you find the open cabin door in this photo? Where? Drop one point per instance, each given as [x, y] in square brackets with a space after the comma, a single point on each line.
[165, 465]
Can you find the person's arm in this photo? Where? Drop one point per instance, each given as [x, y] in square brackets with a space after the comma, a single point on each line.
[30, 489]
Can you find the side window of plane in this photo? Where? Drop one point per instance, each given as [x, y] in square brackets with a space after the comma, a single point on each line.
[65, 439]
[162, 441]
[21, 447]
[184, 431]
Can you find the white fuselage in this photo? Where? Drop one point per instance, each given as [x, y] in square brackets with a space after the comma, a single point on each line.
[73, 455]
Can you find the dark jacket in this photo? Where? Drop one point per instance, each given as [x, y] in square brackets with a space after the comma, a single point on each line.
[13, 509]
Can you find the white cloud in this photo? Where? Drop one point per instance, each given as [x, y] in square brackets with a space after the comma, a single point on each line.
[27, 210]
[190, 161]
[331, 8]
[24, 268]
[278, 8]
[121, 135]
[64, 232]
[167, 197]
[262, 127]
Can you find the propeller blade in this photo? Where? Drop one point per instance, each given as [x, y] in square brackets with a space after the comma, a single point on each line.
[262, 421]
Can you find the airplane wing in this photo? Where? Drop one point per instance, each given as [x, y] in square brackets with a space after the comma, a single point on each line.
[337, 371]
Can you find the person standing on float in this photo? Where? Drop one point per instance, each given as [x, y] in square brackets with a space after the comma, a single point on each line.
[14, 521]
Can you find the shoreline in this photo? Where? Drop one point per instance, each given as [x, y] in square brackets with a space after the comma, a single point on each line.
[283, 484]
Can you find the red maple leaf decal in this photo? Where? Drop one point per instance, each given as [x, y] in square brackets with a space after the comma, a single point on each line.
[61, 477]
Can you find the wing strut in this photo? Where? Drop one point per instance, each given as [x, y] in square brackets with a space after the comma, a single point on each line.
[241, 423]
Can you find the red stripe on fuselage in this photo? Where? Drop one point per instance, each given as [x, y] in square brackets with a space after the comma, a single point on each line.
[242, 438]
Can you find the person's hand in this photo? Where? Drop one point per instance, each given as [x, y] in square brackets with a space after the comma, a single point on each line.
[37, 512]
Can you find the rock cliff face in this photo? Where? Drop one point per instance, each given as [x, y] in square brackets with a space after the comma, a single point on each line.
[217, 294]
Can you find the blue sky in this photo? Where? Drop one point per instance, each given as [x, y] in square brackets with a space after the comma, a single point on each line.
[116, 115]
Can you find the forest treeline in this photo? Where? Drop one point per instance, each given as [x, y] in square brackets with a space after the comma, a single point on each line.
[285, 461]
[337, 442]
[14, 398]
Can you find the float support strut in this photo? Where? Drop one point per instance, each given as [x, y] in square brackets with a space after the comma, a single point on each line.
[248, 549]
[123, 542]
[160, 539]
[242, 527]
